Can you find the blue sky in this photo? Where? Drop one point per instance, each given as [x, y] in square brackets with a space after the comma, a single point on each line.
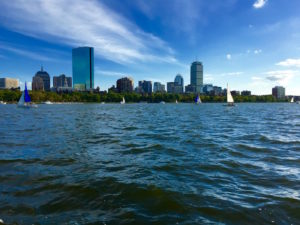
[250, 44]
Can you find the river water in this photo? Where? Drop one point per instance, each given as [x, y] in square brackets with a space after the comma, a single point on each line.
[150, 164]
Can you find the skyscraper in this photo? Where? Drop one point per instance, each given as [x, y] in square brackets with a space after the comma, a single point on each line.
[197, 76]
[45, 78]
[125, 84]
[158, 87]
[83, 68]
[278, 92]
[145, 87]
[178, 84]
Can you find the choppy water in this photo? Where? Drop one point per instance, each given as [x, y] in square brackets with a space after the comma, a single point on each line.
[150, 164]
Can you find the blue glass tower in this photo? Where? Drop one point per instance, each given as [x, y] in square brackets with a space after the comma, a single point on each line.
[197, 76]
[83, 68]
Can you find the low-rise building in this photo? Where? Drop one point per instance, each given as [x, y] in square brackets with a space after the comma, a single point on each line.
[235, 93]
[62, 81]
[190, 88]
[9, 83]
[207, 88]
[246, 93]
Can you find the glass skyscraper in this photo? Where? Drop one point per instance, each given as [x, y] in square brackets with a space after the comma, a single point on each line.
[83, 68]
[197, 76]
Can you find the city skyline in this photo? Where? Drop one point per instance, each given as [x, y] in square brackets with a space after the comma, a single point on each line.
[252, 45]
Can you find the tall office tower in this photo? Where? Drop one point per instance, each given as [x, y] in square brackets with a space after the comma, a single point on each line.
[145, 87]
[278, 92]
[46, 80]
[197, 76]
[158, 87]
[178, 84]
[83, 68]
[125, 84]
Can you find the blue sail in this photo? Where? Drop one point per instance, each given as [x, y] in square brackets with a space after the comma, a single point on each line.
[196, 99]
[26, 96]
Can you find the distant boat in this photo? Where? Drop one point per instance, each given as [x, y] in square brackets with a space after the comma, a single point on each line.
[198, 100]
[176, 101]
[48, 103]
[2, 103]
[25, 100]
[162, 102]
[230, 101]
[123, 101]
[102, 103]
[292, 100]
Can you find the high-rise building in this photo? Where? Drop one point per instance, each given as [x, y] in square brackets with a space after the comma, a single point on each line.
[125, 84]
[178, 84]
[37, 84]
[197, 76]
[46, 80]
[158, 87]
[62, 81]
[145, 87]
[9, 83]
[83, 68]
[278, 92]
[170, 87]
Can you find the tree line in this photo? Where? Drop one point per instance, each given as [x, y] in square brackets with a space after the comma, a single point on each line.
[112, 97]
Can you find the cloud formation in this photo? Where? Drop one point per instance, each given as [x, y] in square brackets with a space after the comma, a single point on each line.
[289, 63]
[259, 3]
[85, 23]
[228, 56]
[281, 76]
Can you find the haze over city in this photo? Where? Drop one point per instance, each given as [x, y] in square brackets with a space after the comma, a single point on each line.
[253, 45]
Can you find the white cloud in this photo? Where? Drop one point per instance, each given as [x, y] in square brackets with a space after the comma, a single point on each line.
[110, 73]
[289, 63]
[281, 77]
[232, 74]
[26, 53]
[259, 3]
[228, 56]
[254, 78]
[85, 23]
[257, 51]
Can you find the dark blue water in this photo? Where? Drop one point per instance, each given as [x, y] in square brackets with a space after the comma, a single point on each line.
[150, 164]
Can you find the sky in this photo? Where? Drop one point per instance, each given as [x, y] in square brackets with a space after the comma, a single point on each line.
[249, 44]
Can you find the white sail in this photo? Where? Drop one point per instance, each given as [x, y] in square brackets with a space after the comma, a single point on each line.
[21, 101]
[292, 100]
[123, 101]
[176, 101]
[229, 96]
[199, 99]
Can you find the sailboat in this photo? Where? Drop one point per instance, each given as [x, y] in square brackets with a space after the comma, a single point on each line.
[292, 100]
[230, 101]
[198, 100]
[123, 101]
[25, 100]
[176, 101]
